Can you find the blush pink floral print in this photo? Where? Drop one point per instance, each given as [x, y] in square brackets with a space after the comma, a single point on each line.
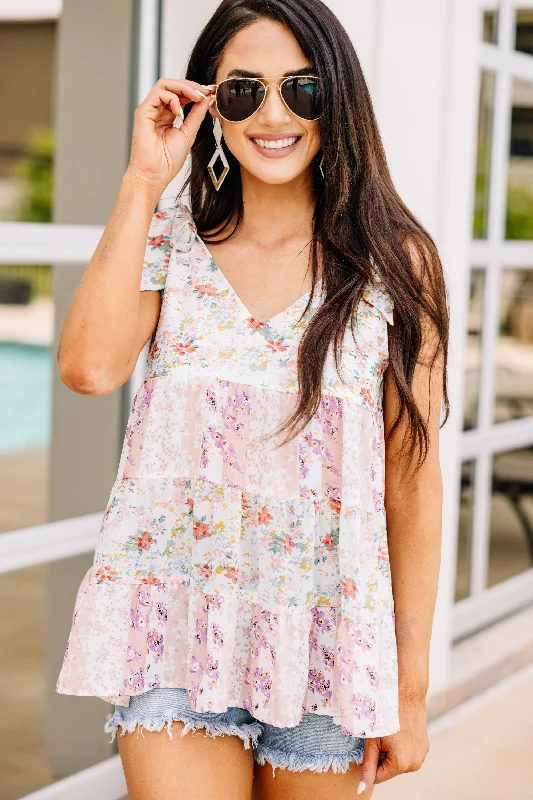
[252, 574]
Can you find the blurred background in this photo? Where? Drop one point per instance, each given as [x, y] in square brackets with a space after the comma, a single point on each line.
[452, 85]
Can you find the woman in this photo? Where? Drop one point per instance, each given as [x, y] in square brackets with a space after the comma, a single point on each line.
[268, 560]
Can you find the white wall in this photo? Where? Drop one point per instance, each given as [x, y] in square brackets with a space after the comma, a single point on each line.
[181, 25]
[420, 60]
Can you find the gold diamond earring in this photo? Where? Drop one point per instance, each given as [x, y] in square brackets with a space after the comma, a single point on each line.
[219, 153]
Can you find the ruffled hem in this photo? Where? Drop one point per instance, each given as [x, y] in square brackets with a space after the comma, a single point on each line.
[230, 651]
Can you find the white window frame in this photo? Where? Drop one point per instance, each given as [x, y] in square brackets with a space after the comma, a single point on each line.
[486, 605]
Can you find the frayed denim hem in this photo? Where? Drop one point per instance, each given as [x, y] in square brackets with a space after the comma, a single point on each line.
[298, 762]
[248, 732]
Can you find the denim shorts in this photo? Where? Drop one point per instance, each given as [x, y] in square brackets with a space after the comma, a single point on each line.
[316, 743]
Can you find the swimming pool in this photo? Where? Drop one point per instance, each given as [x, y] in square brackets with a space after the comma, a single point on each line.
[25, 396]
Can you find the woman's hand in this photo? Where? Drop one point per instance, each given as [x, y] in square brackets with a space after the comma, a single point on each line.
[159, 149]
[406, 750]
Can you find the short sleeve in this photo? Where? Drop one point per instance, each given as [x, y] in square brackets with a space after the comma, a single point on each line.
[170, 229]
[158, 249]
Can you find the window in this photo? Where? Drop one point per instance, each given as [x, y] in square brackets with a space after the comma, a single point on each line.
[39, 573]
[519, 222]
[26, 303]
[514, 349]
[511, 515]
[26, 331]
[495, 535]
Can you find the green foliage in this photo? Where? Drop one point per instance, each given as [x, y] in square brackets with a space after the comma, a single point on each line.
[481, 191]
[519, 213]
[35, 170]
[480, 215]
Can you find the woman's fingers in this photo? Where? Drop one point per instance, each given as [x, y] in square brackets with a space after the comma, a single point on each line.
[159, 148]
[185, 91]
[171, 100]
[176, 84]
[194, 119]
[369, 765]
[200, 101]
[175, 94]
[389, 768]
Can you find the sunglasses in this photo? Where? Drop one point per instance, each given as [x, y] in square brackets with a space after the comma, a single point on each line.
[238, 99]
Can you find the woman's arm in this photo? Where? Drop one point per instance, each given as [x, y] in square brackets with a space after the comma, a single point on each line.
[413, 503]
[110, 320]
[414, 526]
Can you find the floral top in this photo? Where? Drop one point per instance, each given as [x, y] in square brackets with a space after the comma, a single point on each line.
[251, 574]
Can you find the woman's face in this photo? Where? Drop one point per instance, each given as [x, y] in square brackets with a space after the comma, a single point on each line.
[268, 50]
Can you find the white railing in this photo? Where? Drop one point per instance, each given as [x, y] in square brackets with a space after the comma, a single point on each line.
[104, 781]
[47, 243]
[41, 544]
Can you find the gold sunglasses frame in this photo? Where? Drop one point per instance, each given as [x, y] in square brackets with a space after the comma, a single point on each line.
[281, 81]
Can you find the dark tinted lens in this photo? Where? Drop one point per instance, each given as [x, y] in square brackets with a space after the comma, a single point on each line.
[238, 99]
[303, 96]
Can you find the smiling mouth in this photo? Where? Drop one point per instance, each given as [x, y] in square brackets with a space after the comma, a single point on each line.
[275, 144]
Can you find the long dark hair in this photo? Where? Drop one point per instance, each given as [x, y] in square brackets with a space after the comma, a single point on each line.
[362, 229]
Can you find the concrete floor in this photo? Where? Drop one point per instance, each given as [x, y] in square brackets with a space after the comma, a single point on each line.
[481, 751]
[23, 764]
[23, 488]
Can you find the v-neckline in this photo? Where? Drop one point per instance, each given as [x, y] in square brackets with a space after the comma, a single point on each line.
[234, 294]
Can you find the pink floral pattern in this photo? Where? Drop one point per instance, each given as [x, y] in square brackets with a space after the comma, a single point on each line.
[252, 573]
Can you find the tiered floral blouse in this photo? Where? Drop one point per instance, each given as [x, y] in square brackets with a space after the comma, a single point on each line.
[252, 574]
